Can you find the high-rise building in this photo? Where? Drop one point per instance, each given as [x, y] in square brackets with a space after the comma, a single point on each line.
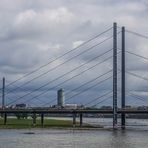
[60, 97]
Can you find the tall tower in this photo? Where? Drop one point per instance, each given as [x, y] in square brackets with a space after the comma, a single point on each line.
[60, 97]
[115, 75]
[3, 94]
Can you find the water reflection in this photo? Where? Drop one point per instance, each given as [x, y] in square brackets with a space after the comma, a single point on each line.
[120, 139]
[73, 139]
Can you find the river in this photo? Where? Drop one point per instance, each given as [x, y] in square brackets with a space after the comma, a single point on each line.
[107, 122]
[73, 139]
[53, 138]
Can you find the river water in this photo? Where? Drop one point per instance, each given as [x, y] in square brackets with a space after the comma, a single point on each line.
[52, 138]
[107, 122]
[73, 139]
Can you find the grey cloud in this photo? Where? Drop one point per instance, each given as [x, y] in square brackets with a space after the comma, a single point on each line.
[35, 32]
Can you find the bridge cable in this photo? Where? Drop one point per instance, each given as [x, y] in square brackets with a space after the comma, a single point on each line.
[98, 98]
[102, 101]
[60, 65]
[138, 76]
[137, 96]
[137, 34]
[73, 89]
[146, 58]
[61, 77]
[88, 88]
[69, 98]
[76, 67]
[89, 40]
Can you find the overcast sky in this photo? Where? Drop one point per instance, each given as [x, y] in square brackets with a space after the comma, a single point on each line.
[34, 32]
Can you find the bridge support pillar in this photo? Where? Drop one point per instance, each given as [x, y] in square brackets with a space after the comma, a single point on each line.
[5, 118]
[81, 119]
[3, 94]
[123, 79]
[115, 126]
[42, 119]
[34, 119]
[74, 119]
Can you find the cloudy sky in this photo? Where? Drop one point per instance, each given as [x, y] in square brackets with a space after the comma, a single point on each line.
[35, 32]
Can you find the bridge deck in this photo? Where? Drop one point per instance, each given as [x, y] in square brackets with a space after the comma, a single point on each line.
[70, 111]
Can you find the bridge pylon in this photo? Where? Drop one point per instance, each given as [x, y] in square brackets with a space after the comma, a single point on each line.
[115, 76]
[123, 78]
[3, 94]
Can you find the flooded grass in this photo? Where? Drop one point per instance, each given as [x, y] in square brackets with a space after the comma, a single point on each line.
[14, 123]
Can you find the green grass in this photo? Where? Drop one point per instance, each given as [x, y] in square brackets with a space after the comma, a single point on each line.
[13, 123]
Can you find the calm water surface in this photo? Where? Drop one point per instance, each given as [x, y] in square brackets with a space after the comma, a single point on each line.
[73, 139]
[134, 137]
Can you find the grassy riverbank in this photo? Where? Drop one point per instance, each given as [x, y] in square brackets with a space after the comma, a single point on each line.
[13, 123]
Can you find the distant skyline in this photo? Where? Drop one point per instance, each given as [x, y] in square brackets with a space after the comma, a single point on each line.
[34, 32]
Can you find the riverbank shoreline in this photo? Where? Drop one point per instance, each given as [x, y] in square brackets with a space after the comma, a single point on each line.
[77, 129]
[13, 123]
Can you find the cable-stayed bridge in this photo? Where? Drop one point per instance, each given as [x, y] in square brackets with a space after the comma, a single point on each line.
[96, 64]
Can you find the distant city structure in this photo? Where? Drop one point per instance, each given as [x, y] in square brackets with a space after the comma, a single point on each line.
[61, 101]
[60, 98]
[71, 106]
[20, 106]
